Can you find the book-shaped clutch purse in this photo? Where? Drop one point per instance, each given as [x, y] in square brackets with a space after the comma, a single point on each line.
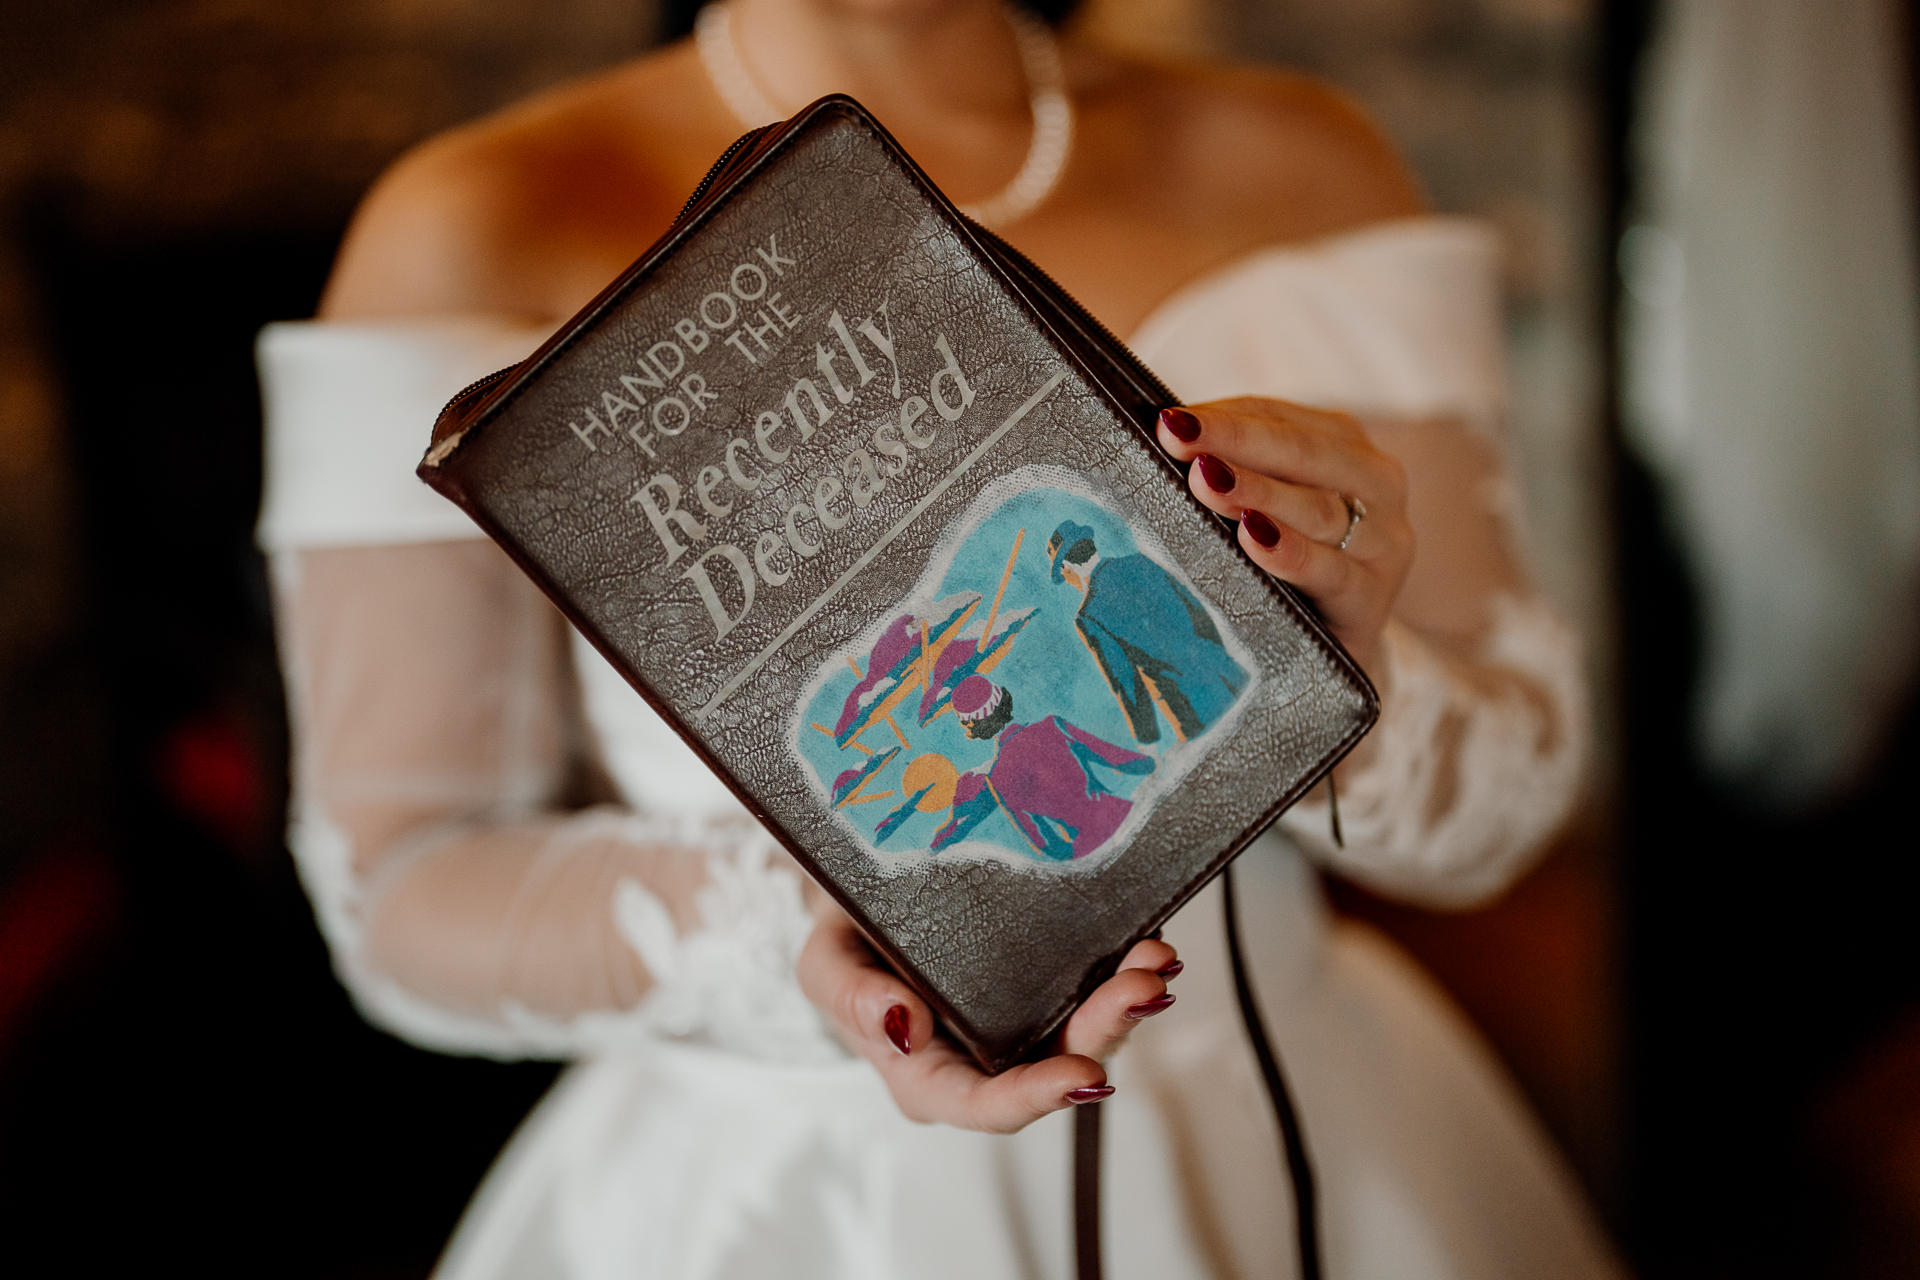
[872, 513]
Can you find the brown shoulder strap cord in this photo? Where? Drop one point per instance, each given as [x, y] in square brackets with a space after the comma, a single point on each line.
[1086, 1132]
[1086, 1191]
[1306, 1221]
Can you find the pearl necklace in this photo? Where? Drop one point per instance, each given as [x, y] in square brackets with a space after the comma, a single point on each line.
[1046, 84]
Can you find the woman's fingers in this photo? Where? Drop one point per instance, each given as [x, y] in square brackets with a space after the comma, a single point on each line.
[1020, 1095]
[937, 1083]
[1291, 531]
[1316, 447]
[944, 1087]
[1319, 570]
[872, 1011]
[1121, 1003]
[1297, 465]
[1287, 472]
[933, 1080]
[1318, 513]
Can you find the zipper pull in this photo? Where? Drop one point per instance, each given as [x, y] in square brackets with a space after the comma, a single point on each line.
[1333, 813]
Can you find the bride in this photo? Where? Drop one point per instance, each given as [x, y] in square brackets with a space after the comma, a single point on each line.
[510, 855]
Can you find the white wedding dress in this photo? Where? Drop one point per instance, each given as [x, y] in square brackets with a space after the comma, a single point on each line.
[711, 1129]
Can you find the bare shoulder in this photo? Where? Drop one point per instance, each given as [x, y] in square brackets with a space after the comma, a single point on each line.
[1273, 155]
[1317, 137]
[527, 211]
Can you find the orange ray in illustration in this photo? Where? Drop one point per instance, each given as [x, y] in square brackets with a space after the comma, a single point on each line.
[1005, 575]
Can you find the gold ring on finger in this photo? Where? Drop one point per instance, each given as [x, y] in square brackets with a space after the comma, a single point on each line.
[1356, 512]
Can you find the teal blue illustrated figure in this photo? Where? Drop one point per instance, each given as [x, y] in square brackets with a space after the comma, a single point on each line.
[1045, 775]
[909, 731]
[1154, 641]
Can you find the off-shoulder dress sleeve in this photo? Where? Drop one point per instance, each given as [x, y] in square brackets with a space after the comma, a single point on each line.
[1481, 746]
[442, 755]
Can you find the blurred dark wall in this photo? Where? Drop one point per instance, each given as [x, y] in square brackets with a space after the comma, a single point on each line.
[1772, 968]
[180, 1076]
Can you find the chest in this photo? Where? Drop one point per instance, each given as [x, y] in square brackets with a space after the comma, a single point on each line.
[1112, 234]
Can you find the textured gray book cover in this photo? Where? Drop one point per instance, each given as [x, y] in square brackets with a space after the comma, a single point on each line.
[857, 503]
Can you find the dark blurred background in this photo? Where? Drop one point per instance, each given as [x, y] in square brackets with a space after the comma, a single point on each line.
[1713, 998]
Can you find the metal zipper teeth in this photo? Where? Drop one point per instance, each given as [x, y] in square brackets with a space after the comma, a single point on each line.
[476, 387]
[740, 144]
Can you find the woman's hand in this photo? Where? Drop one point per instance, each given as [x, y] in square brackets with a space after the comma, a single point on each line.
[932, 1079]
[1286, 473]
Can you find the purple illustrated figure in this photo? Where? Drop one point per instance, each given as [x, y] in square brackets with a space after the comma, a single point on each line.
[1045, 775]
[973, 651]
[897, 663]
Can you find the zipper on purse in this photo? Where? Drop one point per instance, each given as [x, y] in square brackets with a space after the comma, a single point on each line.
[475, 387]
[720, 166]
[447, 427]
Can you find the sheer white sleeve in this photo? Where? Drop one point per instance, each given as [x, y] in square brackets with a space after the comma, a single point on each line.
[1475, 762]
[1482, 738]
[436, 741]
[441, 764]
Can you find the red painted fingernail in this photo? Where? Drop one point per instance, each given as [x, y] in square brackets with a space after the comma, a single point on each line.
[1147, 1008]
[1264, 531]
[1173, 970]
[898, 1027]
[1079, 1097]
[1184, 426]
[1218, 475]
